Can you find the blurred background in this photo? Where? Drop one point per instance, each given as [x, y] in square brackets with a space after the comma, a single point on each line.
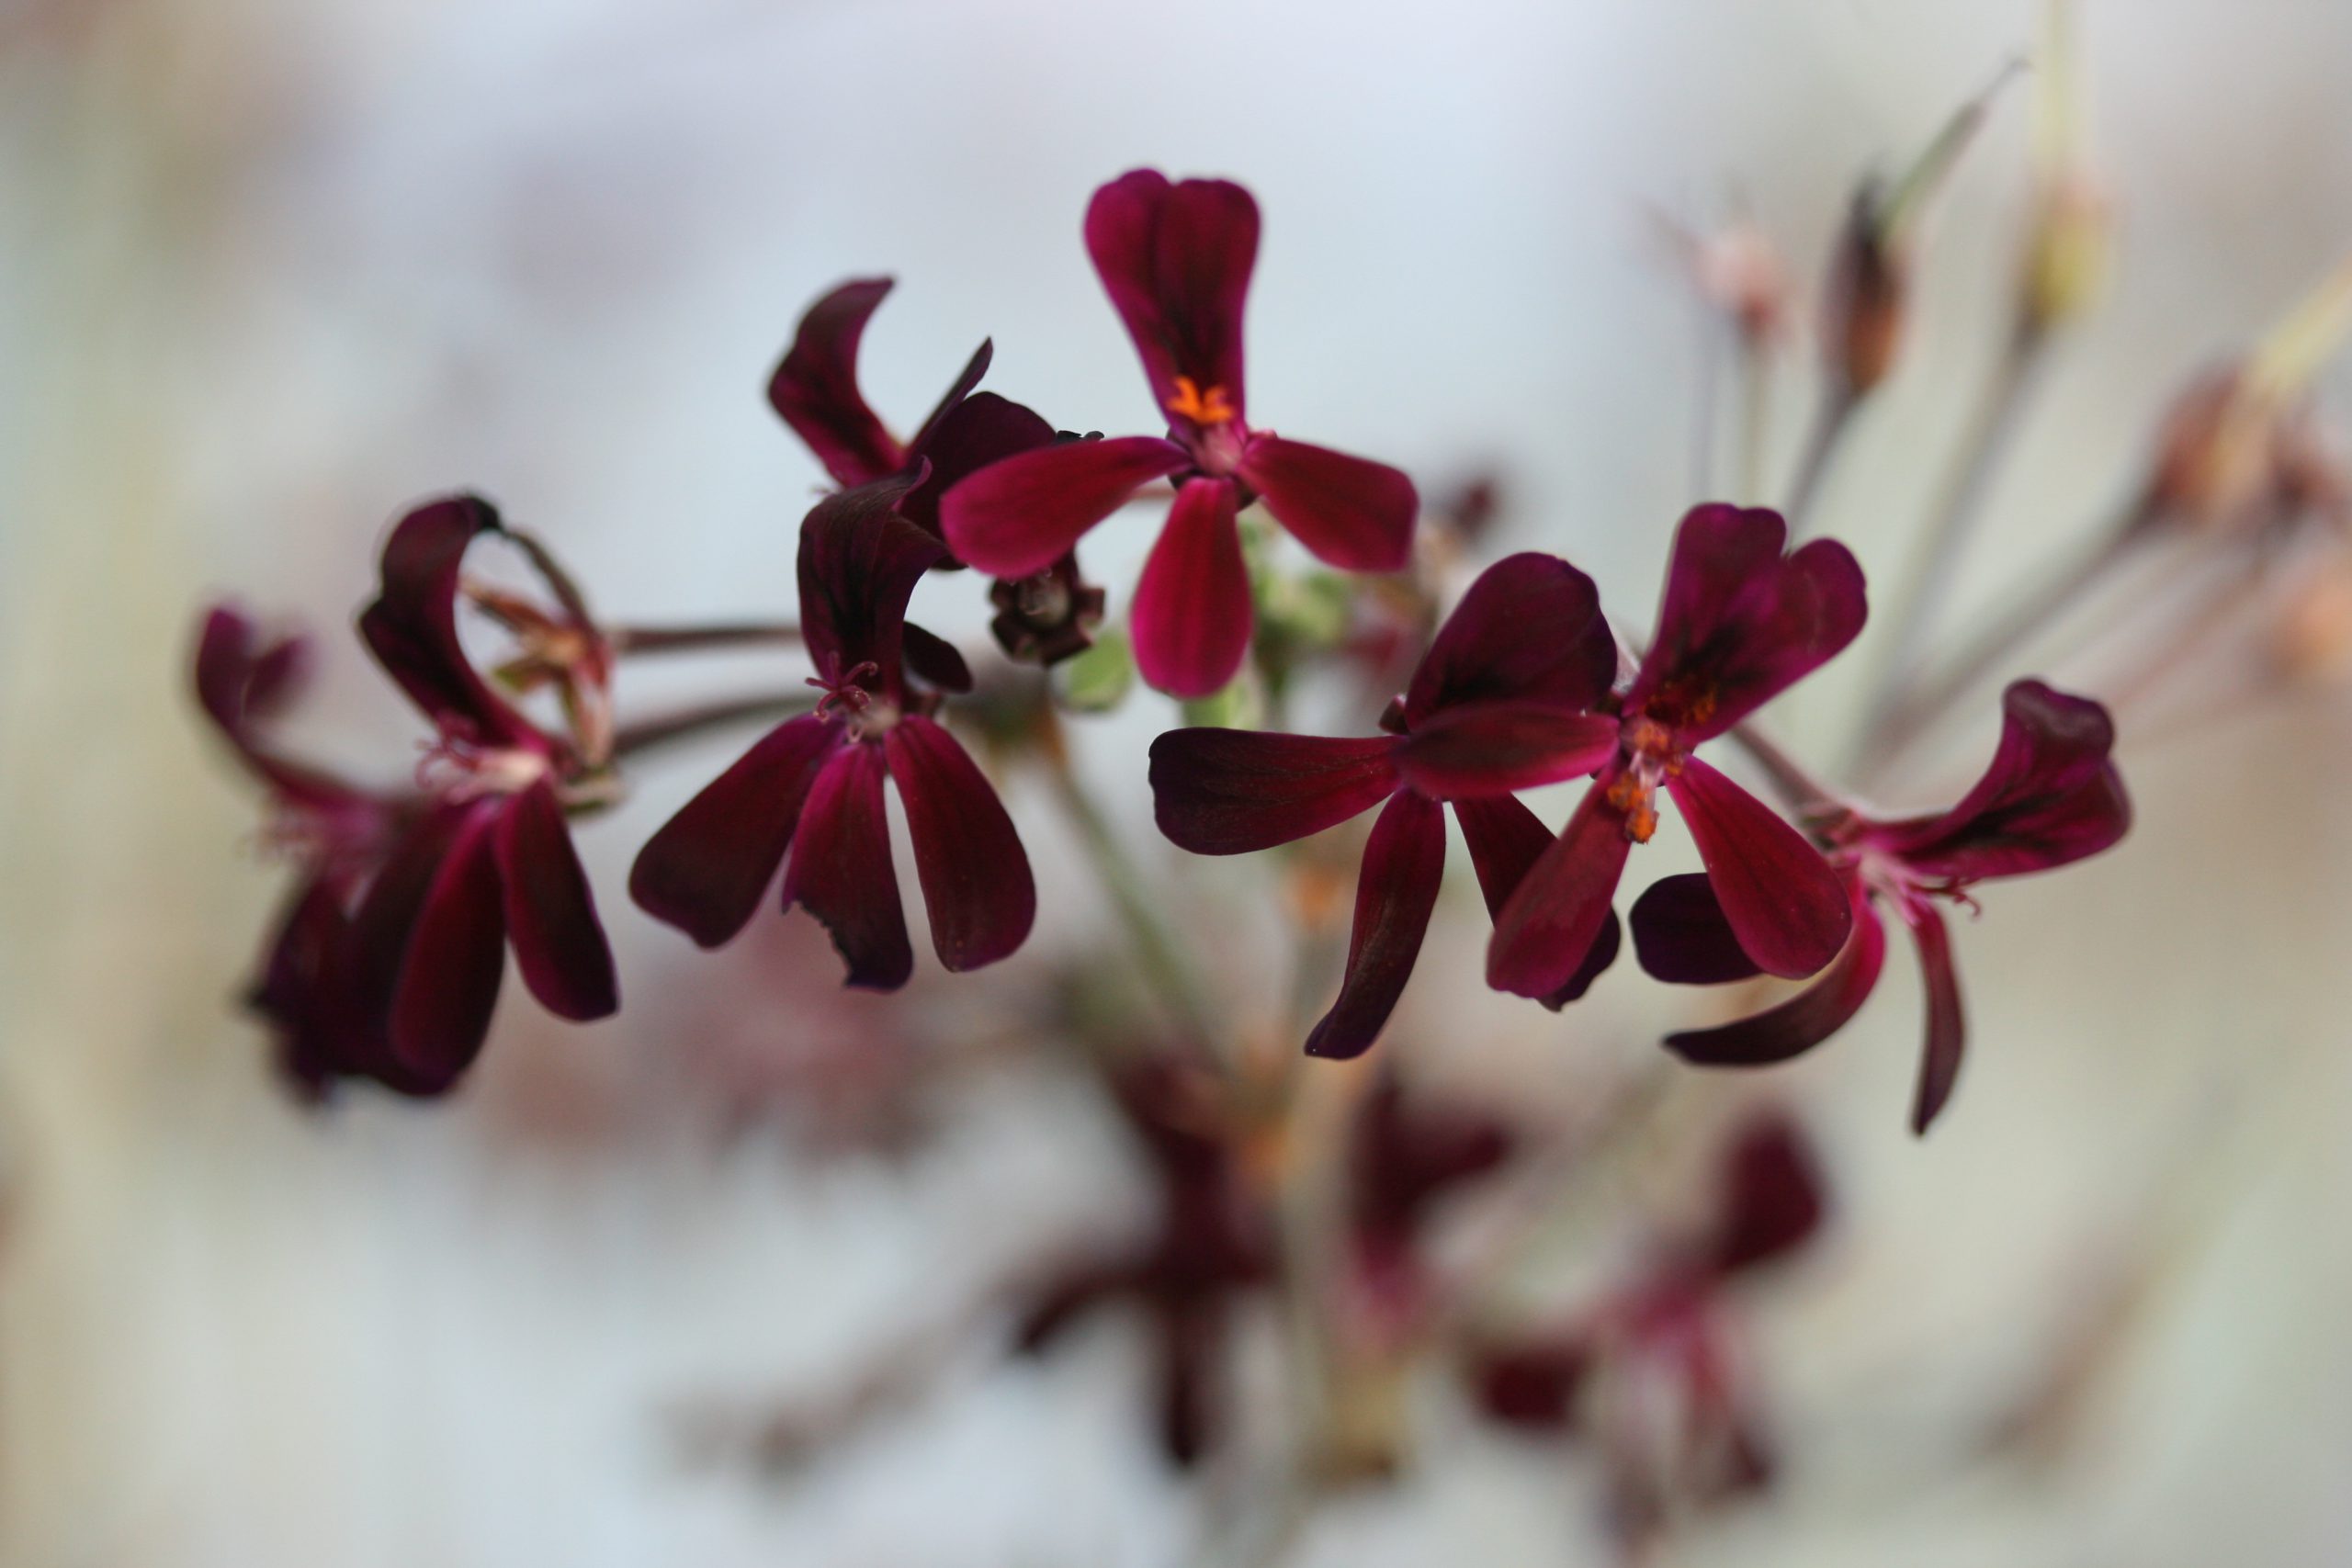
[271, 270]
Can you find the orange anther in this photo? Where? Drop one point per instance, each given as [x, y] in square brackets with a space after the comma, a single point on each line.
[1210, 407]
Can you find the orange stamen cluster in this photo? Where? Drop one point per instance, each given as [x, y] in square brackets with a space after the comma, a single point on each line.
[1210, 407]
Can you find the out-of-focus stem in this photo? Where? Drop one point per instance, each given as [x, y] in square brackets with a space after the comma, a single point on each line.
[1829, 421]
[1755, 414]
[685, 639]
[1798, 789]
[684, 725]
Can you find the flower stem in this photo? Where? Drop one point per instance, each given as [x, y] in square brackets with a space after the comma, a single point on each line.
[1755, 414]
[1829, 423]
[682, 639]
[691, 722]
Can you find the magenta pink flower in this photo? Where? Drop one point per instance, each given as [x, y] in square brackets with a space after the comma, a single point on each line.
[1175, 259]
[813, 786]
[2051, 797]
[1505, 700]
[1740, 623]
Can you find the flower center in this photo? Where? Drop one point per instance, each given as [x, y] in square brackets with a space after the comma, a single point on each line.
[1202, 407]
[1651, 757]
[846, 695]
[458, 770]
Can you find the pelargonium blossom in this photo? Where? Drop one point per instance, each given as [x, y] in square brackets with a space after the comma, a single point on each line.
[1176, 259]
[1509, 697]
[2049, 796]
[813, 785]
[1740, 623]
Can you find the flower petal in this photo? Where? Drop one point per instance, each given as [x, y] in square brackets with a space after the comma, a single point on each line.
[841, 869]
[1228, 792]
[1191, 617]
[933, 659]
[1547, 929]
[705, 870]
[1016, 517]
[2051, 795]
[1404, 862]
[412, 627]
[551, 915]
[1528, 628]
[1740, 623]
[1772, 1198]
[1175, 260]
[815, 388]
[982, 429]
[242, 683]
[958, 393]
[301, 994]
[1682, 938]
[456, 955]
[1349, 512]
[859, 564]
[1785, 903]
[1947, 1024]
[975, 882]
[1499, 747]
[1805, 1020]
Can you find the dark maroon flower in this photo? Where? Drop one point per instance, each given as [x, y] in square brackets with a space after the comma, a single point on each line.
[1404, 1157]
[1211, 1243]
[2050, 797]
[1175, 259]
[1503, 701]
[1651, 1374]
[1740, 623]
[813, 785]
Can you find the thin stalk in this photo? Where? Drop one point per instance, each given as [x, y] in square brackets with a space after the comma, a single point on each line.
[1829, 423]
[633, 738]
[1702, 429]
[687, 639]
[1755, 414]
[1798, 789]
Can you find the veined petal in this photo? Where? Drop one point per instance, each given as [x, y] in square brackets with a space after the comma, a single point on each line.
[1016, 517]
[412, 627]
[1175, 259]
[1528, 628]
[456, 955]
[1560, 909]
[1228, 792]
[1805, 1020]
[551, 915]
[1191, 617]
[975, 882]
[981, 430]
[705, 870]
[1404, 862]
[859, 564]
[1681, 936]
[1349, 512]
[1947, 1024]
[1505, 838]
[841, 869]
[1500, 748]
[1784, 901]
[815, 388]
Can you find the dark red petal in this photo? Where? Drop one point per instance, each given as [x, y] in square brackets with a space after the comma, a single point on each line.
[1528, 628]
[242, 683]
[1228, 792]
[1772, 1199]
[1547, 929]
[1947, 1024]
[1017, 517]
[455, 956]
[933, 660]
[2051, 795]
[815, 388]
[975, 883]
[1682, 938]
[1805, 1020]
[412, 627]
[982, 429]
[1404, 862]
[841, 869]
[1596, 959]
[859, 564]
[925, 438]
[1175, 260]
[551, 914]
[300, 992]
[1349, 512]
[1785, 903]
[705, 869]
[1191, 617]
[1534, 1386]
[1505, 840]
[1500, 748]
[1739, 623]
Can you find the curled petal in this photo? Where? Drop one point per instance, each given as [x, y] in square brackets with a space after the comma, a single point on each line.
[1530, 629]
[1175, 259]
[981, 430]
[933, 660]
[841, 869]
[1501, 748]
[1805, 1020]
[1682, 938]
[242, 683]
[975, 882]
[412, 627]
[1016, 517]
[705, 870]
[1785, 903]
[859, 564]
[815, 388]
[1404, 862]
[1349, 512]
[959, 391]
[1191, 617]
[1947, 1024]
[1547, 929]
[1228, 792]
[455, 956]
[551, 915]
[1772, 1199]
